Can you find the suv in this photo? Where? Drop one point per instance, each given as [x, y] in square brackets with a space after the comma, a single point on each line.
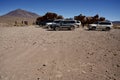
[103, 25]
[57, 25]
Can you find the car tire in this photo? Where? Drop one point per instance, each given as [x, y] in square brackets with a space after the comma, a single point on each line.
[93, 28]
[72, 28]
[57, 28]
[107, 29]
[78, 26]
[49, 27]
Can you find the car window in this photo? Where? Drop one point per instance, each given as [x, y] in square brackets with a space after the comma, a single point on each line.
[65, 22]
[78, 21]
[95, 22]
[72, 21]
[57, 21]
[68, 22]
[105, 23]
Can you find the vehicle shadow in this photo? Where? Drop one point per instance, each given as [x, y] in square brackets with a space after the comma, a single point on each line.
[96, 30]
[59, 30]
[37, 26]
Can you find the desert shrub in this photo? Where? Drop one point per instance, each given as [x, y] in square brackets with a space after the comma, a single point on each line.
[116, 26]
[48, 16]
[88, 19]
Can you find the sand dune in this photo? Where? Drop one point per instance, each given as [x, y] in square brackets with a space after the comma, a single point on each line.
[30, 53]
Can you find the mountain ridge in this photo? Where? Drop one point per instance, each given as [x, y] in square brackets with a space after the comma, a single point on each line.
[21, 13]
[18, 16]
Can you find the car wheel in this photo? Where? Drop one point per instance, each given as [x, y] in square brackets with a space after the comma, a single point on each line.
[72, 28]
[57, 28]
[107, 29]
[78, 26]
[93, 28]
[48, 27]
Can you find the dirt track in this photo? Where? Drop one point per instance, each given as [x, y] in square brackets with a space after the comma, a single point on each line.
[30, 53]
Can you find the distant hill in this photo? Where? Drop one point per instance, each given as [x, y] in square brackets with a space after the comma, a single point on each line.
[21, 13]
[18, 15]
[116, 22]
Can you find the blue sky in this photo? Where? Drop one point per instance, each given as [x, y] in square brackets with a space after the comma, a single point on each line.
[109, 9]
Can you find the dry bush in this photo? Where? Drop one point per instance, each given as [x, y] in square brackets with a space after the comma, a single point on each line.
[48, 16]
[115, 26]
[88, 19]
[16, 21]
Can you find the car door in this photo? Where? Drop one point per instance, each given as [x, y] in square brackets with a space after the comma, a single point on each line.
[100, 25]
[64, 24]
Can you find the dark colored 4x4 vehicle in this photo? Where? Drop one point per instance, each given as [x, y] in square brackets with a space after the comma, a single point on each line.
[58, 25]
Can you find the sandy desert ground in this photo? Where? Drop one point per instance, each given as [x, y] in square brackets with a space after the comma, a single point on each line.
[31, 53]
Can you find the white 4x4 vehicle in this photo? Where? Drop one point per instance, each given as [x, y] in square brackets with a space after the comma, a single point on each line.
[103, 25]
[73, 22]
